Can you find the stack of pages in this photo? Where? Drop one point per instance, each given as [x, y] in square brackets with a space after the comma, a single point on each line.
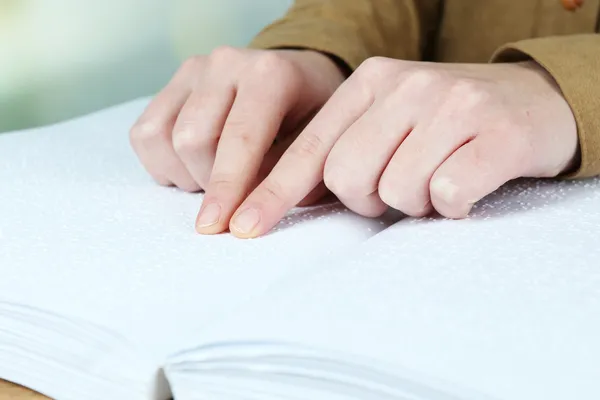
[106, 291]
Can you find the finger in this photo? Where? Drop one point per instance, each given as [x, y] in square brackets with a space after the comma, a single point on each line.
[316, 195]
[262, 102]
[379, 133]
[405, 183]
[369, 205]
[475, 170]
[274, 155]
[199, 125]
[351, 176]
[300, 169]
[201, 120]
[150, 136]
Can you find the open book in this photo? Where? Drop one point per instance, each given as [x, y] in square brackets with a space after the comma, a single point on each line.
[106, 291]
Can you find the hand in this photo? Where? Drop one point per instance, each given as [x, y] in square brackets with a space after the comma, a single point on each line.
[421, 136]
[213, 126]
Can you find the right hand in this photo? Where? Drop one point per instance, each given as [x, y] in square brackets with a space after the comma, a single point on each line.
[213, 126]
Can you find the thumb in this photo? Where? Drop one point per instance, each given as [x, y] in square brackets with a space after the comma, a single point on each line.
[473, 171]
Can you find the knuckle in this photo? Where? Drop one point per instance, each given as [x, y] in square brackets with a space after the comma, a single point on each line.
[273, 192]
[391, 104]
[222, 182]
[238, 133]
[373, 69]
[452, 198]
[186, 141]
[444, 187]
[374, 65]
[224, 54]
[135, 136]
[420, 78]
[469, 93]
[343, 178]
[196, 106]
[190, 65]
[146, 131]
[367, 80]
[464, 86]
[273, 65]
[339, 182]
[307, 146]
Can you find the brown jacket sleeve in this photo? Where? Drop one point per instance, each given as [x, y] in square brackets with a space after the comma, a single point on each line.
[354, 30]
[574, 62]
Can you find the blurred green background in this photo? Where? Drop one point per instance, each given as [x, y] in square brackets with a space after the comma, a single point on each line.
[63, 58]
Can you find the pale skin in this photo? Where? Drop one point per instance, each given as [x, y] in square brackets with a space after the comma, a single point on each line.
[418, 137]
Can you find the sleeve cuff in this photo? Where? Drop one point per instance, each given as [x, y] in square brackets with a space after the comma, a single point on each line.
[574, 62]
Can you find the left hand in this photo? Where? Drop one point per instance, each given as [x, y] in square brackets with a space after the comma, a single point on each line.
[421, 136]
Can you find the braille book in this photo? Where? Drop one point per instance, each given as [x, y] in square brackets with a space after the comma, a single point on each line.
[107, 292]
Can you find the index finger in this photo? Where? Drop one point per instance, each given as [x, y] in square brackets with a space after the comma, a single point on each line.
[300, 169]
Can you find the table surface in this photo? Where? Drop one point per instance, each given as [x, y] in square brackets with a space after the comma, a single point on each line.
[10, 391]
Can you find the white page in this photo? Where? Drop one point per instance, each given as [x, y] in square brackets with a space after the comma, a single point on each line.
[503, 305]
[86, 234]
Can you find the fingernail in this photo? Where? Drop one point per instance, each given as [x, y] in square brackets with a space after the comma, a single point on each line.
[444, 188]
[209, 216]
[246, 221]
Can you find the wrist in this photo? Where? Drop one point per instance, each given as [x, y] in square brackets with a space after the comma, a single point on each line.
[342, 65]
[321, 59]
[561, 118]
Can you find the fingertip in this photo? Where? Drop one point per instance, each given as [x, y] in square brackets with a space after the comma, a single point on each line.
[245, 223]
[209, 230]
[255, 217]
[210, 219]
